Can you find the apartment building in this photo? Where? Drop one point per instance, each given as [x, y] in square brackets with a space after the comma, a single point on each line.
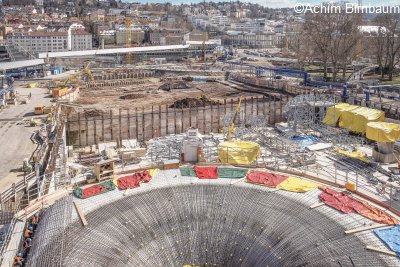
[39, 41]
[137, 36]
[259, 40]
[43, 41]
[81, 40]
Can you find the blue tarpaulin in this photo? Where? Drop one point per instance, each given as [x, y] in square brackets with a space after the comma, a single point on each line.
[391, 237]
[305, 140]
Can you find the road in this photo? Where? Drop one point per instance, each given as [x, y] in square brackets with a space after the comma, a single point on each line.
[14, 137]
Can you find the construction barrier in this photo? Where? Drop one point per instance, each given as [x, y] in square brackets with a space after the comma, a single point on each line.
[94, 190]
[238, 152]
[391, 237]
[187, 171]
[265, 178]
[354, 154]
[348, 204]
[206, 172]
[133, 180]
[354, 118]
[293, 184]
[383, 131]
[226, 172]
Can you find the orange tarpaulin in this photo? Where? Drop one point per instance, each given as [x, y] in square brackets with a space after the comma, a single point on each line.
[206, 172]
[348, 204]
[265, 178]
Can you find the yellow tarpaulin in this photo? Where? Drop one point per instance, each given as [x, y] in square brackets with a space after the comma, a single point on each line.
[238, 152]
[354, 154]
[153, 172]
[383, 131]
[333, 113]
[297, 185]
[355, 120]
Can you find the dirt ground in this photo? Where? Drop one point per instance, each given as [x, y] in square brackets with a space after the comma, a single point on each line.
[150, 94]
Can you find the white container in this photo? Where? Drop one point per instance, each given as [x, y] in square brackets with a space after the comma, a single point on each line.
[189, 150]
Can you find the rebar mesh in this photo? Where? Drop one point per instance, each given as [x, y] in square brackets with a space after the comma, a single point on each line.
[51, 235]
[206, 224]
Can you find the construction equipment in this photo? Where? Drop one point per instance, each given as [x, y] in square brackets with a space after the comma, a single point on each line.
[62, 87]
[232, 124]
[42, 109]
[128, 25]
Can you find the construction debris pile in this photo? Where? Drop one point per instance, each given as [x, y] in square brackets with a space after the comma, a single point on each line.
[132, 96]
[174, 85]
[193, 102]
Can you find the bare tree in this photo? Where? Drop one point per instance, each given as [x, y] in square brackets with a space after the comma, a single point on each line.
[390, 25]
[319, 28]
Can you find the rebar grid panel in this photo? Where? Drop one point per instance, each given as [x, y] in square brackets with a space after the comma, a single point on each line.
[305, 113]
[51, 235]
[172, 222]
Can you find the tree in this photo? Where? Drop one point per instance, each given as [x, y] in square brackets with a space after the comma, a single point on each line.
[333, 37]
[388, 43]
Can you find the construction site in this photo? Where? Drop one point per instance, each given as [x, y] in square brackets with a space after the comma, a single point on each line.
[204, 164]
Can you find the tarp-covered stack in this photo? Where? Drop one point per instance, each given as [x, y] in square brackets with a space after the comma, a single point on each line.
[356, 154]
[266, 178]
[333, 113]
[279, 181]
[383, 131]
[354, 118]
[297, 185]
[348, 204]
[187, 171]
[133, 180]
[233, 173]
[238, 152]
[206, 172]
[391, 237]
[94, 190]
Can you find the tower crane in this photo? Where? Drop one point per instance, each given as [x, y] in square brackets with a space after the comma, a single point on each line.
[128, 25]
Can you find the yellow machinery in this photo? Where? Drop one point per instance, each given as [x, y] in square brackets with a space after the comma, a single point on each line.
[39, 109]
[128, 25]
[42, 109]
[232, 124]
[237, 152]
[61, 87]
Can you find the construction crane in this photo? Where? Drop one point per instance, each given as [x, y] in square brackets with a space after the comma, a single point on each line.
[128, 25]
[232, 124]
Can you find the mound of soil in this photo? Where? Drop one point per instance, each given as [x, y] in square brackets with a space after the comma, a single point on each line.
[174, 85]
[93, 112]
[193, 102]
[131, 96]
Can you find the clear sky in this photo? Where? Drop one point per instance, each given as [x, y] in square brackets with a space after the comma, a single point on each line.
[273, 3]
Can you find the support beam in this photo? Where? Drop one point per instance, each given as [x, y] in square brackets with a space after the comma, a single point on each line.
[364, 228]
[80, 213]
[316, 205]
[381, 250]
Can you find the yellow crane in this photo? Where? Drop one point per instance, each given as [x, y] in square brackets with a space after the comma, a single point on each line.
[232, 124]
[128, 25]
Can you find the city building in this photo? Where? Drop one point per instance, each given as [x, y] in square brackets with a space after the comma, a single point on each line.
[258, 40]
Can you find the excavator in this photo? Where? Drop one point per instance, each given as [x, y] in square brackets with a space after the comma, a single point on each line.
[61, 87]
